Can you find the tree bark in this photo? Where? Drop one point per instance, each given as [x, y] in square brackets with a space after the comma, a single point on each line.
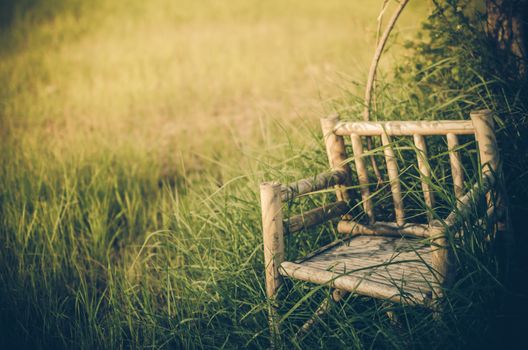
[506, 27]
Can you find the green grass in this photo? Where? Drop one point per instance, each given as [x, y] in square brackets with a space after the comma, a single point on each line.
[133, 141]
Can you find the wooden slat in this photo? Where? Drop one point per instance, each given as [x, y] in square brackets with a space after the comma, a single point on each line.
[392, 171]
[401, 128]
[457, 171]
[425, 173]
[387, 228]
[361, 169]
[350, 283]
[416, 274]
[387, 260]
[413, 277]
[312, 184]
[316, 216]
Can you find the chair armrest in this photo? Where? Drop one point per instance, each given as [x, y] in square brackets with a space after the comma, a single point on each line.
[467, 202]
[312, 184]
[315, 216]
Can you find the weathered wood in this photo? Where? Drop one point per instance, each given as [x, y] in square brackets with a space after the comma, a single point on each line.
[392, 171]
[362, 173]
[466, 204]
[457, 172]
[487, 143]
[492, 164]
[442, 261]
[387, 228]
[350, 283]
[316, 216]
[312, 184]
[425, 173]
[273, 236]
[402, 128]
[403, 262]
[336, 152]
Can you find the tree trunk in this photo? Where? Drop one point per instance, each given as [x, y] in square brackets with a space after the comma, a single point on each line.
[506, 27]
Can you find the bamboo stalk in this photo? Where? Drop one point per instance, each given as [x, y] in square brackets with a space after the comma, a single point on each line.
[487, 144]
[425, 173]
[485, 136]
[336, 152]
[387, 229]
[361, 169]
[316, 183]
[491, 164]
[316, 216]
[273, 236]
[456, 165]
[405, 128]
[392, 171]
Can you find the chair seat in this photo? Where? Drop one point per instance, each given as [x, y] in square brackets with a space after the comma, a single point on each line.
[392, 268]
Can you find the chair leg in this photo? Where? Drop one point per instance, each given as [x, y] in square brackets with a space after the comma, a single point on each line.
[273, 319]
[337, 295]
[273, 238]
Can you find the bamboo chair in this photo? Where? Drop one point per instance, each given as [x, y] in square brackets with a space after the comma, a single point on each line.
[393, 261]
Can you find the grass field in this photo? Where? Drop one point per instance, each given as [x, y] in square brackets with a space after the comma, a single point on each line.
[133, 140]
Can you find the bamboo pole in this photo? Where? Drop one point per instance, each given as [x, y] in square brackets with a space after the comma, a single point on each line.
[425, 173]
[361, 169]
[405, 128]
[316, 216]
[491, 164]
[485, 135]
[312, 184]
[392, 171]
[336, 152]
[387, 229]
[273, 236]
[457, 171]
[487, 144]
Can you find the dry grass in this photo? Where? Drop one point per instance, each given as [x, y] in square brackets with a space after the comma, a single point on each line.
[152, 71]
[135, 134]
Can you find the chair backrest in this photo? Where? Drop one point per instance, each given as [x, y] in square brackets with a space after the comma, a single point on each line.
[481, 126]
